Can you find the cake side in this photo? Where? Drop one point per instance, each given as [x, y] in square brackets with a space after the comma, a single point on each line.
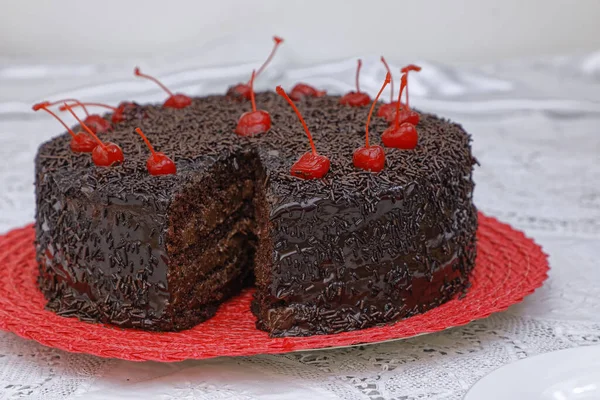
[345, 266]
[101, 261]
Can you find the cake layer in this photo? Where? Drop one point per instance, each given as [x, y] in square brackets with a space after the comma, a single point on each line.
[351, 250]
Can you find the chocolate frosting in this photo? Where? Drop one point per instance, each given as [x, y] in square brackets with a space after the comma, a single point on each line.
[348, 251]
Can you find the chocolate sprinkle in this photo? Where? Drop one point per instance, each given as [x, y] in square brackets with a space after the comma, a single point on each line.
[345, 252]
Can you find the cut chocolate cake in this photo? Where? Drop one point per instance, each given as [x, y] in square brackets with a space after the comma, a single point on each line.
[348, 251]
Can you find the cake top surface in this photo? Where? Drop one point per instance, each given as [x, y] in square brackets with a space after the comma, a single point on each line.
[199, 135]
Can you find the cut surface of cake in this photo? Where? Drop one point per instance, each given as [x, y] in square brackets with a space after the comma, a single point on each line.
[349, 251]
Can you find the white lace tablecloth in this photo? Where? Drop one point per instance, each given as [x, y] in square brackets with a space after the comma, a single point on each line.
[536, 131]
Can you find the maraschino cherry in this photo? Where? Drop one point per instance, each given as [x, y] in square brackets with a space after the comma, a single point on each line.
[402, 134]
[302, 90]
[176, 100]
[386, 110]
[358, 98]
[371, 158]
[311, 165]
[104, 154]
[118, 111]
[403, 113]
[158, 163]
[94, 121]
[253, 122]
[242, 90]
[80, 142]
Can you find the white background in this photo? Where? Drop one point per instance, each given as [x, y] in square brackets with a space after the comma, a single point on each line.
[465, 31]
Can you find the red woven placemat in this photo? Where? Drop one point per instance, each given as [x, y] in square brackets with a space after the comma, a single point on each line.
[509, 267]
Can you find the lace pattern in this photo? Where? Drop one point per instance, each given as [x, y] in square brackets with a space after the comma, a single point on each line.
[534, 126]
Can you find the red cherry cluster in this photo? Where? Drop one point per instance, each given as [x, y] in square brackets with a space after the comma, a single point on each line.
[94, 121]
[311, 165]
[107, 154]
[103, 155]
[259, 121]
[80, 142]
[403, 133]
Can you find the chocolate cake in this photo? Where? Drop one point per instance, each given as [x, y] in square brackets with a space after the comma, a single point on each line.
[349, 251]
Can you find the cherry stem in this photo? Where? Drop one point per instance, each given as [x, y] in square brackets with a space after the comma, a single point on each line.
[85, 126]
[78, 104]
[137, 72]
[59, 120]
[388, 78]
[139, 131]
[391, 82]
[71, 100]
[283, 94]
[252, 91]
[357, 74]
[406, 70]
[402, 87]
[407, 105]
[277, 41]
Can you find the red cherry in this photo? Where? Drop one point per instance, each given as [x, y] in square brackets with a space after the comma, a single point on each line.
[178, 101]
[371, 158]
[254, 122]
[97, 124]
[406, 70]
[242, 90]
[402, 137]
[107, 155]
[80, 142]
[355, 99]
[311, 165]
[121, 109]
[158, 163]
[174, 100]
[405, 115]
[303, 90]
[358, 98]
[104, 154]
[386, 110]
